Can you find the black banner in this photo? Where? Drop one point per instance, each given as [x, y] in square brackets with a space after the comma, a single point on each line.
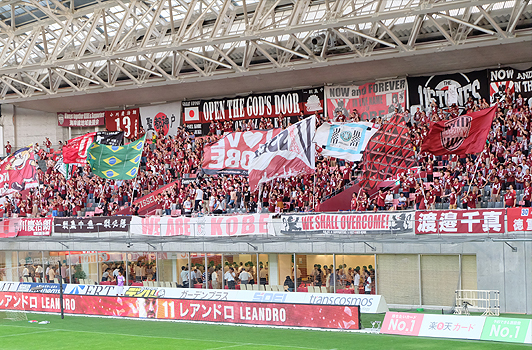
[92, 224]
[198, 114]
[456, 87]
[111, 138]
[510, 81]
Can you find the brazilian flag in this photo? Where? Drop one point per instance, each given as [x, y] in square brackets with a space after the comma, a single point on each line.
[116, 162]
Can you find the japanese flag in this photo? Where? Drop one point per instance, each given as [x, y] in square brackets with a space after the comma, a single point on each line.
[192, 114]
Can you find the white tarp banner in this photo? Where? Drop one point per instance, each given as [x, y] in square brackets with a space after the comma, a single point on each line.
[162, 119]
[205, 226]
[344, 140]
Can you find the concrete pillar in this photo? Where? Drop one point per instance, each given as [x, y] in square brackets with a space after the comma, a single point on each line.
[273, 269]
[8, 125]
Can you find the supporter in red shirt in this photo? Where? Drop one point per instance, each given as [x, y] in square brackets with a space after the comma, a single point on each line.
[354, 202]
[381, 196]
[8, 148]
[510, 197]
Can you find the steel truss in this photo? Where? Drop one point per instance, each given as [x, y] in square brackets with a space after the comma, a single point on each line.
[60, 47]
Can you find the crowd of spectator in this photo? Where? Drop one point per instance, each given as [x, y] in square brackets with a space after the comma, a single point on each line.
[501, 171]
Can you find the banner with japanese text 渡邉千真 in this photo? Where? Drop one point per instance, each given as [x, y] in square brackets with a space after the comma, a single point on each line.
[482, 221]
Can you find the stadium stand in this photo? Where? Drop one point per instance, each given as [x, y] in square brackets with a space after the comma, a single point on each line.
[457, 181]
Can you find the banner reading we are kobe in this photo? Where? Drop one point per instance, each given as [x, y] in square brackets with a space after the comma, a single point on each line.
[371, 100]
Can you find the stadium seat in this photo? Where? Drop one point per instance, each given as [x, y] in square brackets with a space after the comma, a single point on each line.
[323, 289]
[302, 289]
[255, 287]
[145, 283]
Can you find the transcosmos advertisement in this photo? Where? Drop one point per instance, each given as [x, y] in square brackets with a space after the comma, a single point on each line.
[199, 114]
[511, 81]
[371, 100]
[447, 89]
[363, 223]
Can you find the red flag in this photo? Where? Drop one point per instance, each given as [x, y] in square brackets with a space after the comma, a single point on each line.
[461, 135]
[388, 153]
[75, 151]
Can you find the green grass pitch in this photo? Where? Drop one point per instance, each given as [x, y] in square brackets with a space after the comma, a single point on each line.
[75, 332]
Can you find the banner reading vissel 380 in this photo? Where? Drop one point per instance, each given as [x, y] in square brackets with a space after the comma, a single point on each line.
[232, 153]
[446, 89]
[199, 113]
[371, 100]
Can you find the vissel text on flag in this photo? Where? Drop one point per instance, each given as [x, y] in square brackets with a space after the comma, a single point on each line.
[232, 153]
[288, 154]
[465, 134]
[344, 140]
[75, 151]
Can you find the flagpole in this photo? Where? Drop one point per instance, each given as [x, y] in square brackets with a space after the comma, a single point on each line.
[259, 204]
[474, 173]
[314, 194]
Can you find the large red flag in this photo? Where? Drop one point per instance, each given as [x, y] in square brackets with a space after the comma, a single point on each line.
[465, 134]
[75, 151]
[388, 153]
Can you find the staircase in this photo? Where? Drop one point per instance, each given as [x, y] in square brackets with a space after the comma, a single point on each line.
[342, 201]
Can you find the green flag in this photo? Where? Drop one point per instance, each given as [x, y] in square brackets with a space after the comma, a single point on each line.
[116, 162]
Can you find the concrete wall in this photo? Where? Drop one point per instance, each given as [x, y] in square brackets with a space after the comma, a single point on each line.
[22, 127]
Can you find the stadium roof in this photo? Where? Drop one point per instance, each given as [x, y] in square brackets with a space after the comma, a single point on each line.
[59, 55]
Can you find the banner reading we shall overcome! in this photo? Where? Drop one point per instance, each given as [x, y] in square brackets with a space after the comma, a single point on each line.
[356, 223]
[371, 100]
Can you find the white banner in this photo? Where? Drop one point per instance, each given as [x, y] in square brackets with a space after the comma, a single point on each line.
[162, 119]
[344, 140]
[211, 226]
[450, 326]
